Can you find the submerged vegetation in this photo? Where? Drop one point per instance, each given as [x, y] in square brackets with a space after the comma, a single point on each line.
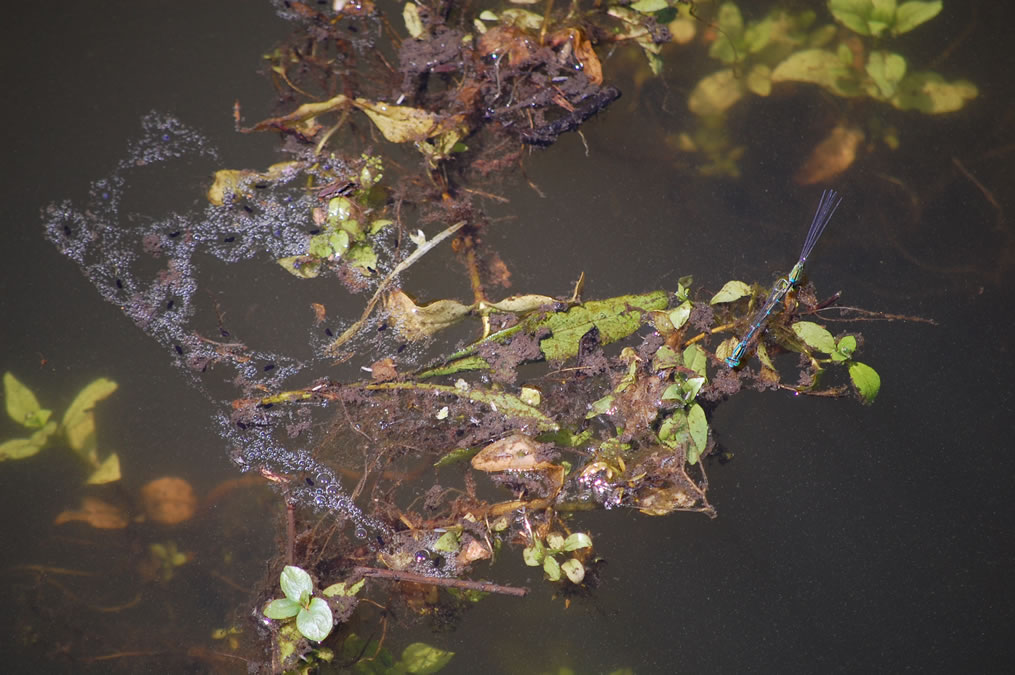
[446, 456]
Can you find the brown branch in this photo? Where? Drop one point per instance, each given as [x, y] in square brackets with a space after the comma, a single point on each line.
[464, 584]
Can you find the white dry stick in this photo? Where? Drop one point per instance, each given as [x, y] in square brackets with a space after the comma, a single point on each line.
[420, 251]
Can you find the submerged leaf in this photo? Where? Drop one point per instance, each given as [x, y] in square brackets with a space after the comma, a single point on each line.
[821, 67]
[169, 500]
[422, 659]
[79, 420]
[831, 156]
[909, 15]
[716, 93]
[107, 472]
[22, 448]
[22, 406]
[95, 512]
[343, 590]
[930, 93]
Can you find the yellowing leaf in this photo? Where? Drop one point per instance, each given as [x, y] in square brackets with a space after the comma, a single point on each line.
[402, 124]
[96, 513]
[108, 471]
[514, 453]
[22, 406]
[79, 420]
[821, 67]
[413, 322]
[716, 93]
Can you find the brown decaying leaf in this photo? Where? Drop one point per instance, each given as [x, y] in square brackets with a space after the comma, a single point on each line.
[830, 157]
[319, 313]
[169, 500]
[583, 51]
[96, 513]
[383, 370]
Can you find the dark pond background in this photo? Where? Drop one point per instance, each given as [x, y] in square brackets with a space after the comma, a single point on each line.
[849, 538]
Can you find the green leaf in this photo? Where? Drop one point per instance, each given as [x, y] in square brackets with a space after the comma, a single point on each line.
[912, 14]
[457, 455]
[79, 420]
[844, 349]
[665, 357]
[504, 403]
[674, 432]
[698, 427]
[462, 365]
[21, 448]
[577, 540]
[821, 67]
[684, 287]
[815, 336]
[22, 406]
[731, 290]
[930, 93]
[866, 380]
[716, 93]
[552, 568]
[616, 318]
[866, 17]
[316, 621]
[533, 555]
[107, 472]
[555, 542]
[678, 316]
[887, 70]
[281, 608]
[674, 392]
[363, 256]
[295, 583]
[649, 6]
[422, 659]
[696, 359]
[574, 570]
[302, 266]
[448, 541]
[329, 244]
[18, 448]
[342, 590]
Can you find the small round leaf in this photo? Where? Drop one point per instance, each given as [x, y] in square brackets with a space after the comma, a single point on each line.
[316, 621]
[281, 608]
[574, 570]
[295, 583]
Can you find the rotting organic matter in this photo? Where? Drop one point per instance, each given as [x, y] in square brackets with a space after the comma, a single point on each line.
[380, 474]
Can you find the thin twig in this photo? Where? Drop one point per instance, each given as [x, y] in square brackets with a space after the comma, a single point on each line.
[401, 267]
[465, 584]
